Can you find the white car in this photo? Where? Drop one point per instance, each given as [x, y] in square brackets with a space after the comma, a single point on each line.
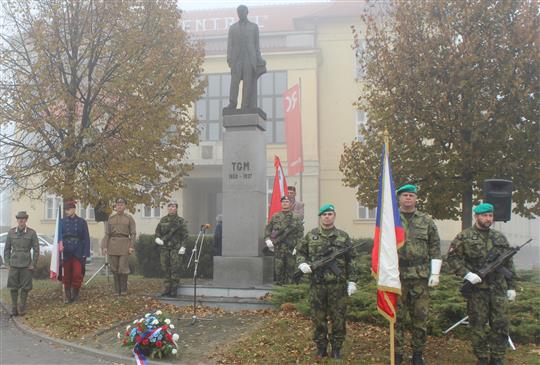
[44, 245]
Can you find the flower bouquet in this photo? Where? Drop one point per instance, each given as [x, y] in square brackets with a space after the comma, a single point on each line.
[153, 335]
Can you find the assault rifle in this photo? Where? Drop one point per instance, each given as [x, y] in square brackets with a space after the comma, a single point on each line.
[174, 229]
[494, 262]
[279, 238]
[327, 261]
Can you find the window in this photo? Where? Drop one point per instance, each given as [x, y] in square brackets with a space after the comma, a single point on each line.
[151, 212]
[52, 202]
[86, 212]
[271, 87]
[366, 213]
[361, 119]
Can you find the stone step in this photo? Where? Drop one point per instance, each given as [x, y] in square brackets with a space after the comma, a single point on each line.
[217, 291]
[234, 304]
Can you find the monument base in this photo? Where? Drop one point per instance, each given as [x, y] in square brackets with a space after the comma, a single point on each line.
[243, 272]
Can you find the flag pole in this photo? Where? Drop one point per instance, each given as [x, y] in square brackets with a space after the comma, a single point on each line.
[391, 323]
[302, 171]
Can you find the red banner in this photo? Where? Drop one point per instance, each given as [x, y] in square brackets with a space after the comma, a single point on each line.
[279, 189]
[293, 130]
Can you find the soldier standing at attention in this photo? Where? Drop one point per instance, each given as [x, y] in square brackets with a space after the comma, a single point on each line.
[419, 267]
[19, 242]
[119, 243]
[171, 234]
[76, 243]
[328, 291]
[489, 300]
[282, 233]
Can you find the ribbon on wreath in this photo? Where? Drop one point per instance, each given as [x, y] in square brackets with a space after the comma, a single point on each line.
[140, 359]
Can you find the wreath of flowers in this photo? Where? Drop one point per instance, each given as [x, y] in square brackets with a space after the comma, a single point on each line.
[153, 335]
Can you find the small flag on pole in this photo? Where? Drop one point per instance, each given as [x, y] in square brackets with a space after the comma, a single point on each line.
[279, 189]
[55, 268]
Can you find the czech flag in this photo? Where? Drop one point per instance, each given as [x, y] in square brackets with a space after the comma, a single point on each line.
[279, 190]
[56, 267]
[389, 235]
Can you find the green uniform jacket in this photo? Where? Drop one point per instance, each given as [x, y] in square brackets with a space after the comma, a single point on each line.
[468, 252]
[172, 230]
[422, 244]
[316, 244]
[281, 223]
[18, 246]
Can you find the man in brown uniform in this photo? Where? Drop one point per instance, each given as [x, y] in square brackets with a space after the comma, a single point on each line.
[119, 243]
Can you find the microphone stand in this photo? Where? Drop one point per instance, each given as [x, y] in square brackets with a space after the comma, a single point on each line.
[195, 256]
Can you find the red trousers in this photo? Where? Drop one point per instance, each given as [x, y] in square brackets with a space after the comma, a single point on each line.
[72, 273]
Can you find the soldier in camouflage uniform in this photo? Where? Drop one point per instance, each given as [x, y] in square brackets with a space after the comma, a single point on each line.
[282, 233]
[419, 267]
[171, 235]
[328, 291]
[489, 300]
[19, 242]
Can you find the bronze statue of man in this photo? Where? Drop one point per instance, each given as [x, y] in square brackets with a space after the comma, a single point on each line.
[245, 60]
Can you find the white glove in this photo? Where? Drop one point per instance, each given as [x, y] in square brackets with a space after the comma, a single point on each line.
[304, 268]
[182, 250]
[159, 241]
[351, 288]
[269, 244]
[511, 295]
[435, 271]
[473, 278]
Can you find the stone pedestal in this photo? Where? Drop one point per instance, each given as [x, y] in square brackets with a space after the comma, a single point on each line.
[244, 204]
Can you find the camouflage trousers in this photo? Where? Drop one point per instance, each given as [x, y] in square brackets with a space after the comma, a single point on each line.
[171, 264]
[284, 265]
[488, 318]
[328, 302]
[413, 308]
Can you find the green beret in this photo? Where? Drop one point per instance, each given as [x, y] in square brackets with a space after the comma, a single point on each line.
[483, 208]
[408, 188]
[326, 208]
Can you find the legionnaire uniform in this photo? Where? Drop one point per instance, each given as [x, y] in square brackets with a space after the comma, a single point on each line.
[76, 243]
[284, 229]
[488, 302]
[328, 291]
[422, 245]
[172, 230]
[297, 207]
[120, 235]
[17, 255]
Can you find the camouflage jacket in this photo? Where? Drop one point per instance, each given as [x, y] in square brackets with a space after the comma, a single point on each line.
[284, 229]
[468, 253]
[172, 230]
[422, 244]
[18, 247]
[317, 244]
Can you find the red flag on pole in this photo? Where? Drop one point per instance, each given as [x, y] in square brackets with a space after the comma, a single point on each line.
[293, 130]
[279, 189]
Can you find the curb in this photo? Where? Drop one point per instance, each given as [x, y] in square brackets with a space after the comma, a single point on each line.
[76, 347]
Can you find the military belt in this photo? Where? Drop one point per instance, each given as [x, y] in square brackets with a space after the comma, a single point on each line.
[409, 263]
[70, 238]
[119, 236]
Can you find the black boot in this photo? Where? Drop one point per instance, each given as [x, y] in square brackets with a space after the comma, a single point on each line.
[67, 293]
[116, 283]
[482, 361]
[75, 294]
[398, 358]
[496, 362]
[336, 352]
[321, 351]
[417, 358]
[123, 284]
[14, 300]
[24, 296]
[174, 291]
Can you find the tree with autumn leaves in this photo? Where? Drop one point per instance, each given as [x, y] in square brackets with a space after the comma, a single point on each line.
[456, 85]
[95, 98]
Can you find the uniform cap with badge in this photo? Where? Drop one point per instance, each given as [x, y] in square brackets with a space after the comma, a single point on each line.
[326, 208]
[22, 215]
[407, 188]
[483, 208]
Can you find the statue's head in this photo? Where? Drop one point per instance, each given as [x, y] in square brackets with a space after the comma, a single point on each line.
[242, 11]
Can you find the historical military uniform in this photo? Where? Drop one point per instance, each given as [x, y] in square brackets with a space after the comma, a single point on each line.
[19, 243]
[172, 230]
[328, 291]
[488, 303]
[422, 245]
[120, 235]
[284, 229]
[76, 243]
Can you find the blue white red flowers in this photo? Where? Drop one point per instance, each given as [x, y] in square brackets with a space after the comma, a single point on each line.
[153, 335]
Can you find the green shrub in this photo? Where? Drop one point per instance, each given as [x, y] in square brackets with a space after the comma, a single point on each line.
[148, 257]
[42, 269]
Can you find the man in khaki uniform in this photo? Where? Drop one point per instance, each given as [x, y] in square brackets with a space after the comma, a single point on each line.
[19, 242]
[119, 243]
